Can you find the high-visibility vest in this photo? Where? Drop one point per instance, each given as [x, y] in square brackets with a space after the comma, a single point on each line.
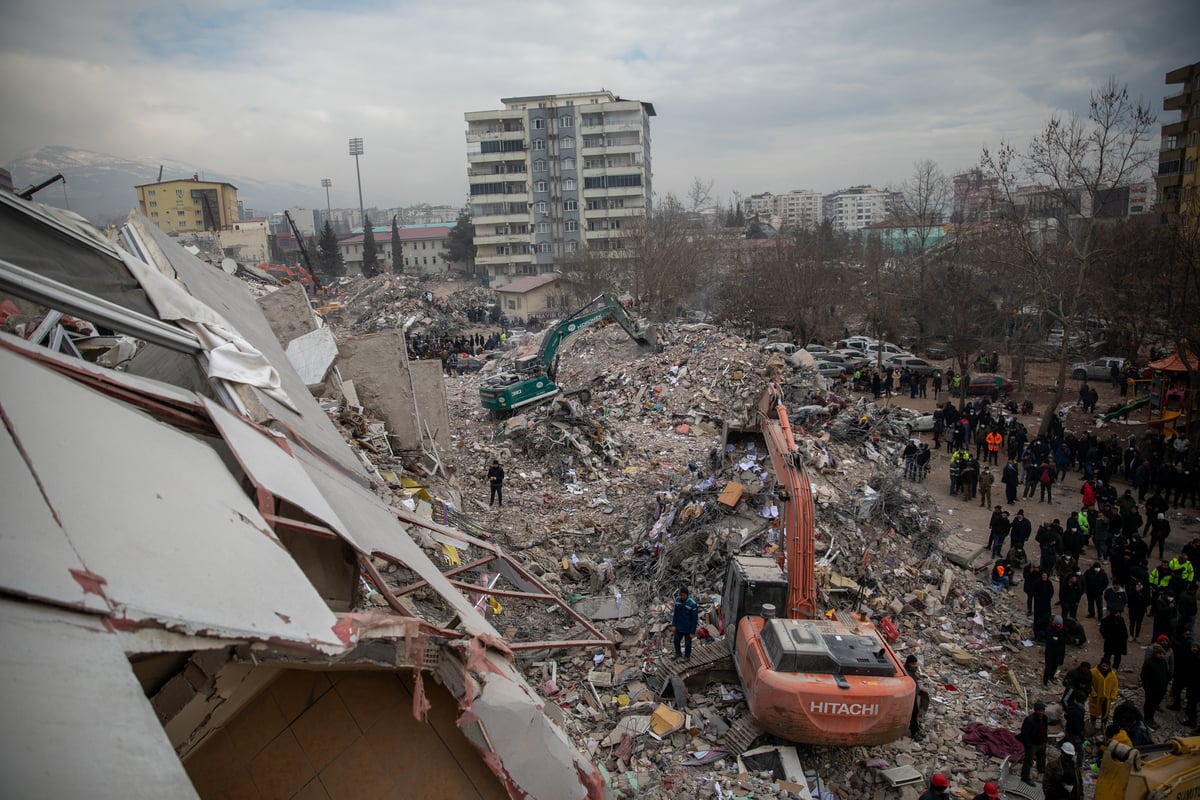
[993, 441]
[1160, 579]
[1184, 569]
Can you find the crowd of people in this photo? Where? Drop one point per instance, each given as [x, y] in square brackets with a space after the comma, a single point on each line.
[1130, 585]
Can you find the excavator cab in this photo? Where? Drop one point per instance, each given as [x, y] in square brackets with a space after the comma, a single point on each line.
[751, 584]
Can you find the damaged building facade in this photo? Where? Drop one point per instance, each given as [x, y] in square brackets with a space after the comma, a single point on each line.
[193, 558]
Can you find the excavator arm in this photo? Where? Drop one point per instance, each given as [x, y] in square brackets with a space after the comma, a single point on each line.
[796, 503]
[600, 308]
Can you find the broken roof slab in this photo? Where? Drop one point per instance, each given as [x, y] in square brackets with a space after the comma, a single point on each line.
[74, 719]
[155, 515]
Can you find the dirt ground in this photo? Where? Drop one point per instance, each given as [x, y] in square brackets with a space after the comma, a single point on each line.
[968, 520]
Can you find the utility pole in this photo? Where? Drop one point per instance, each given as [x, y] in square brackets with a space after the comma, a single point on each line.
[356, 150]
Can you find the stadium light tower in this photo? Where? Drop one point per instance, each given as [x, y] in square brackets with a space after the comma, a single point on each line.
[326, 183]
[356, 150]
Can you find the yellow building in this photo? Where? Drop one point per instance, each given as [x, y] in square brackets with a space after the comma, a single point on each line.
[1178, 195]
[189, 205]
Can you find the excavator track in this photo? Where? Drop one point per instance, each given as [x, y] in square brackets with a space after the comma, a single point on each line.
[742, 734]
[704, 657]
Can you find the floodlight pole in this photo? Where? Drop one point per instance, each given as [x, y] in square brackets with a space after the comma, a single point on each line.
[356, 150]
[327, 183]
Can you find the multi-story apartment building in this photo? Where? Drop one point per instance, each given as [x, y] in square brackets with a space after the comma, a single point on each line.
[550, 174]
[1178, 198]
[857, 207]
[423, 249]
[977, 198]
[795, 209]
[189, 205]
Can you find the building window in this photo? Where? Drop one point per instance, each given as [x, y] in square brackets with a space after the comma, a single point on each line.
[502, 250]
[567, 143]
[544, 247]
[180, 213]
[511, 304]
[543, 227]
[541, 186]
[570, 205]
[539, 124]
[539, 144]
[154, 213]
[540, 207]
[1190, 166]
[566, 122]
[573, 246]
[150, 192]
[179, 192]
[568, 163]
[539, 165]
[571, 225]
[153, 203]
[1194, 138]
[568, 184]
[1169, 143]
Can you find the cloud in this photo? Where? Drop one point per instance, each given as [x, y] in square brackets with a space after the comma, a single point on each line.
[764, 95]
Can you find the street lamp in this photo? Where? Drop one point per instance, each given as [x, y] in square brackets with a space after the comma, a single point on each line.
[356, 150]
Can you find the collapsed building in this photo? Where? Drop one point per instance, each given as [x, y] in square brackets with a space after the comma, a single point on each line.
[265, 539]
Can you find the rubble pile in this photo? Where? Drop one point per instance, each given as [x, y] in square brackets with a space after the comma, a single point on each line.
[418, 305]
[616, 504]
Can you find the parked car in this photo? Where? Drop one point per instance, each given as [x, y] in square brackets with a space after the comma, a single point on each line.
[828, 369]
[1098, 370]
[785, 348]
[984, 382]
[859, 342]
[887, 348]
[921, 424]
[854, 358]
[817, 350]
[917, 366]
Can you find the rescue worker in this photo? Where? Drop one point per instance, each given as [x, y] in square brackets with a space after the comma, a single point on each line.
[986, 479]
[495, 476]
[939, 788]
[1182, 570]
[994, 440]
[990, 792]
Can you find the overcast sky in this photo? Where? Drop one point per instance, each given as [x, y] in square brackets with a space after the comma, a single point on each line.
[759, 95]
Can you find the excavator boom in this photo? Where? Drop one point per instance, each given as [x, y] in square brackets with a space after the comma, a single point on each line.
[808, 678]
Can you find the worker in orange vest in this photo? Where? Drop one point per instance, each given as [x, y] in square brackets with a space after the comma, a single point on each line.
[994, 440]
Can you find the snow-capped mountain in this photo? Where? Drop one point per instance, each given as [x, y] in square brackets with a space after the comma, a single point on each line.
[101, 186]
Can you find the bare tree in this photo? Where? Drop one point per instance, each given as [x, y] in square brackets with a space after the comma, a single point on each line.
[699, 194]
[661, 259]
[1053, 189]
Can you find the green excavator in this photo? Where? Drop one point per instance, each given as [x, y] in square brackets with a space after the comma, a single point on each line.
[532, 377]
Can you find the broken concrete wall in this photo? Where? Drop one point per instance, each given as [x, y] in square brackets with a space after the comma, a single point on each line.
[403, 394]
[288, 313]
[316, 734]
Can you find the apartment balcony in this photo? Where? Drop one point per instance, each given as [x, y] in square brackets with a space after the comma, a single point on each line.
[500, 219]
[1175, 128]
[491, 240]
[509, 115]
[494, 260]
[1176, 101]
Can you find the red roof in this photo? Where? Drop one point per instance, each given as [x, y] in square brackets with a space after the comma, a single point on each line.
[1173, 363]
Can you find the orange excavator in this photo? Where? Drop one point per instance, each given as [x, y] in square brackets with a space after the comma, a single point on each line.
[809, 678]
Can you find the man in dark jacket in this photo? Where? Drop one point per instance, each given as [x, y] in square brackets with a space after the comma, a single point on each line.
[913, 669]
[684, 621]
[1115, 635]
[1069, 595]
[1011, 478]
[1156, 677]
[1095, 581]
[495, 477]
[1056, 650]
[1034, 730]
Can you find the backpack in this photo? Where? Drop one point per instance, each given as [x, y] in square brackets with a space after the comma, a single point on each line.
[1047, 478]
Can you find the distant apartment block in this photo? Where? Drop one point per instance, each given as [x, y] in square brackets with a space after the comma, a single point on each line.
[796, 209]
[977, 198]
[857, 207]
[550, 174]
[1178, 199]
[185, 206]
